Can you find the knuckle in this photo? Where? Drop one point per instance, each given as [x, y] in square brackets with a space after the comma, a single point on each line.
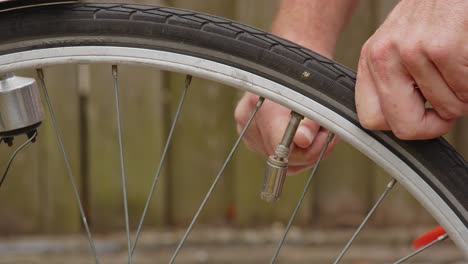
[462, 94]
[365, 49]
[380, 51]
[407, 129]
[439, 52]
[410, 53]
[405, 132]
[449, 112]
[372, 122]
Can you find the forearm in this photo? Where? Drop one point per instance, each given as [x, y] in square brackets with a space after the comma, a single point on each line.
[315, 24]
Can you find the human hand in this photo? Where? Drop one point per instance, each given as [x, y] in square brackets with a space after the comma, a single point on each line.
[419, 54]
[314, 24]
[267, 128]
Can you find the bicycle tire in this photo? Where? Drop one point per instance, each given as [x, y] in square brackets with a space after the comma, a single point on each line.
[237, 45]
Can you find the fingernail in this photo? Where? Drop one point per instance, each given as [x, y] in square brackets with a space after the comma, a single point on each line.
[307, 134]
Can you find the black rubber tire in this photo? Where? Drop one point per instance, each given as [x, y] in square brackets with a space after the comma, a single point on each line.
[231, 43]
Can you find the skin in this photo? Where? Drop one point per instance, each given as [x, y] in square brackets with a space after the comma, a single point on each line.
[418, 56]
[301, 21]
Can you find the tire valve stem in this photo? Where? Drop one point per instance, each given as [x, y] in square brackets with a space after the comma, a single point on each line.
[277, 164]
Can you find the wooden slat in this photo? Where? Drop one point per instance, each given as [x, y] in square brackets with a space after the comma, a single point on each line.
[250, 166]
[105, 189]
[141, 114]
[61, 211]
[399, 208]
[202, 139]
[37, 194]
[343, 183]
[20, 193]
[143, 126]
[201, 143]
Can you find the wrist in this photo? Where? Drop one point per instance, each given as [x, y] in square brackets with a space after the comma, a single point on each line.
[314, 24]
[319, 45]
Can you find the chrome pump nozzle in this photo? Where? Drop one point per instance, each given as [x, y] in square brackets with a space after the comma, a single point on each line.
[277, 165]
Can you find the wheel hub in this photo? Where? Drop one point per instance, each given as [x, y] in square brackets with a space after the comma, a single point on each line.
[21, 110]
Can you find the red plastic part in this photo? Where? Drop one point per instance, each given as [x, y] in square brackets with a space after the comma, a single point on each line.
[428, 237]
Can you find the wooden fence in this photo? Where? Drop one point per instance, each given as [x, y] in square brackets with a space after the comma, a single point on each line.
[37, 195]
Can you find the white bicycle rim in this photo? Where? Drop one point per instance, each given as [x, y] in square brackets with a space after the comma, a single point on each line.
[266, 88]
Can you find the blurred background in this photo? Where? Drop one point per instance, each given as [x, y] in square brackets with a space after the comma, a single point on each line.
[37, 198]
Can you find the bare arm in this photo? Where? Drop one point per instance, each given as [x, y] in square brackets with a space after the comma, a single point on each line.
[316, 25]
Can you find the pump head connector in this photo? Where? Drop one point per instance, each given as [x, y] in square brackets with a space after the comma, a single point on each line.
[277, 165]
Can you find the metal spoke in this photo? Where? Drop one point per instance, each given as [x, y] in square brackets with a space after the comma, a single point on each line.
[438, 240]
[298, 205]
[364, 222]
[188, 80]
[115, 75]
[216, 180]
[40, 74]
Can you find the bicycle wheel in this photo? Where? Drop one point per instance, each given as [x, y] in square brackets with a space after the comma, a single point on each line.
[246, 58]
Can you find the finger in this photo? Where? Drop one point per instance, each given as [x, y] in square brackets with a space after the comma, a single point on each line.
[243, 110]
[242, 113]
[367, 100]
[308, 156]
[432, 84]
[452, 62]
[272, 120]
[403, 106]
[294, 169]
[306, 133]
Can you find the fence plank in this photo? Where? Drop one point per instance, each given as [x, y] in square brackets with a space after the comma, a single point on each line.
[20, 193]
[42, 197]
[144, 128]
[250, 166]
[343, 183]
[105, 188]
[61, 212]
[203, 138]
[141, 112]
[201, 143]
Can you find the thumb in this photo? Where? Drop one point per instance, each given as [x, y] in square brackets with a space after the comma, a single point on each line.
[306, 133]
